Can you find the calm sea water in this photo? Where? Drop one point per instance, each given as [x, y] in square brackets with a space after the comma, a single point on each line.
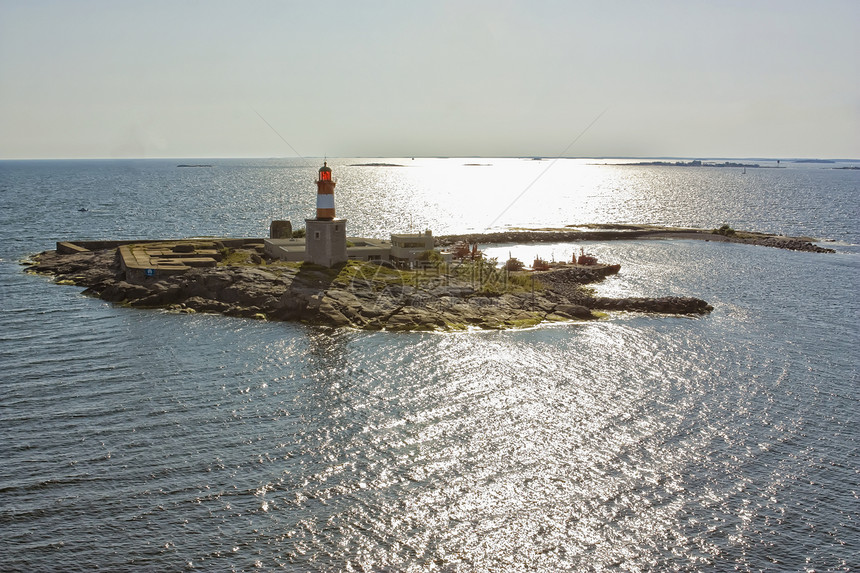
[145, 440]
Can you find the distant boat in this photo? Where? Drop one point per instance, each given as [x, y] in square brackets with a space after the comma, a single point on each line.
[83, 210]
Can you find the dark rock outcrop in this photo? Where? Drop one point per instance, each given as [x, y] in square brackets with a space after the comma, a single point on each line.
[663, 305]
[789, 243]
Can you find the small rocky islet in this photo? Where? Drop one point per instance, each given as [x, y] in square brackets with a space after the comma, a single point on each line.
[366, 295]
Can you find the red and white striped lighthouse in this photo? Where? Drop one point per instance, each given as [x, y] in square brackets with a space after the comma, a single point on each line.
[325, 194]
[325, 242]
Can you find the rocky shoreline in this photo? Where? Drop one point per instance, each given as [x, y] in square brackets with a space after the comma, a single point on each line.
[360, 295]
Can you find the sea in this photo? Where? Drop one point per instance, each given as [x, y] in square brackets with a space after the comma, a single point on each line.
[144, 440]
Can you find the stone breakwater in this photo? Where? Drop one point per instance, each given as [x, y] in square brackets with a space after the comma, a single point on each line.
[630, 232]
[360, 295]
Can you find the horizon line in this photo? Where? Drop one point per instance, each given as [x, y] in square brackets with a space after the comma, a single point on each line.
[542, 157]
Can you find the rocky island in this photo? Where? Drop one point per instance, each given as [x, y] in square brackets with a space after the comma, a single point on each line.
[234, 277]
[239, 277]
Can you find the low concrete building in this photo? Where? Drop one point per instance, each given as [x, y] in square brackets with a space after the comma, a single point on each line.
[357, 248]
[401, 249]
[291, 250]
[407, 247]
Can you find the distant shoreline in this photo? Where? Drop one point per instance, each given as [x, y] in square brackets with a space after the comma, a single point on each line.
[699, 163]
[205, 161]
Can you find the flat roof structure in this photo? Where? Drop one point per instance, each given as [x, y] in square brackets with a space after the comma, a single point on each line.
[357, 248]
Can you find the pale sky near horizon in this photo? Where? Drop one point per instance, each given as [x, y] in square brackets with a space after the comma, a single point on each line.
[688, 78]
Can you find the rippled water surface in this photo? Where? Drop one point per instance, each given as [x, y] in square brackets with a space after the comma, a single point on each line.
[145, 440]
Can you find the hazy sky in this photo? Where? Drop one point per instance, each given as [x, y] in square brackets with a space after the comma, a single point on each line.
[422, 78]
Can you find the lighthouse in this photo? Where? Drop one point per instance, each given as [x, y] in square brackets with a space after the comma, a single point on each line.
[325, 239]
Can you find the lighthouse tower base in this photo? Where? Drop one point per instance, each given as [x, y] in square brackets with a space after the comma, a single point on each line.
[325, 241]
